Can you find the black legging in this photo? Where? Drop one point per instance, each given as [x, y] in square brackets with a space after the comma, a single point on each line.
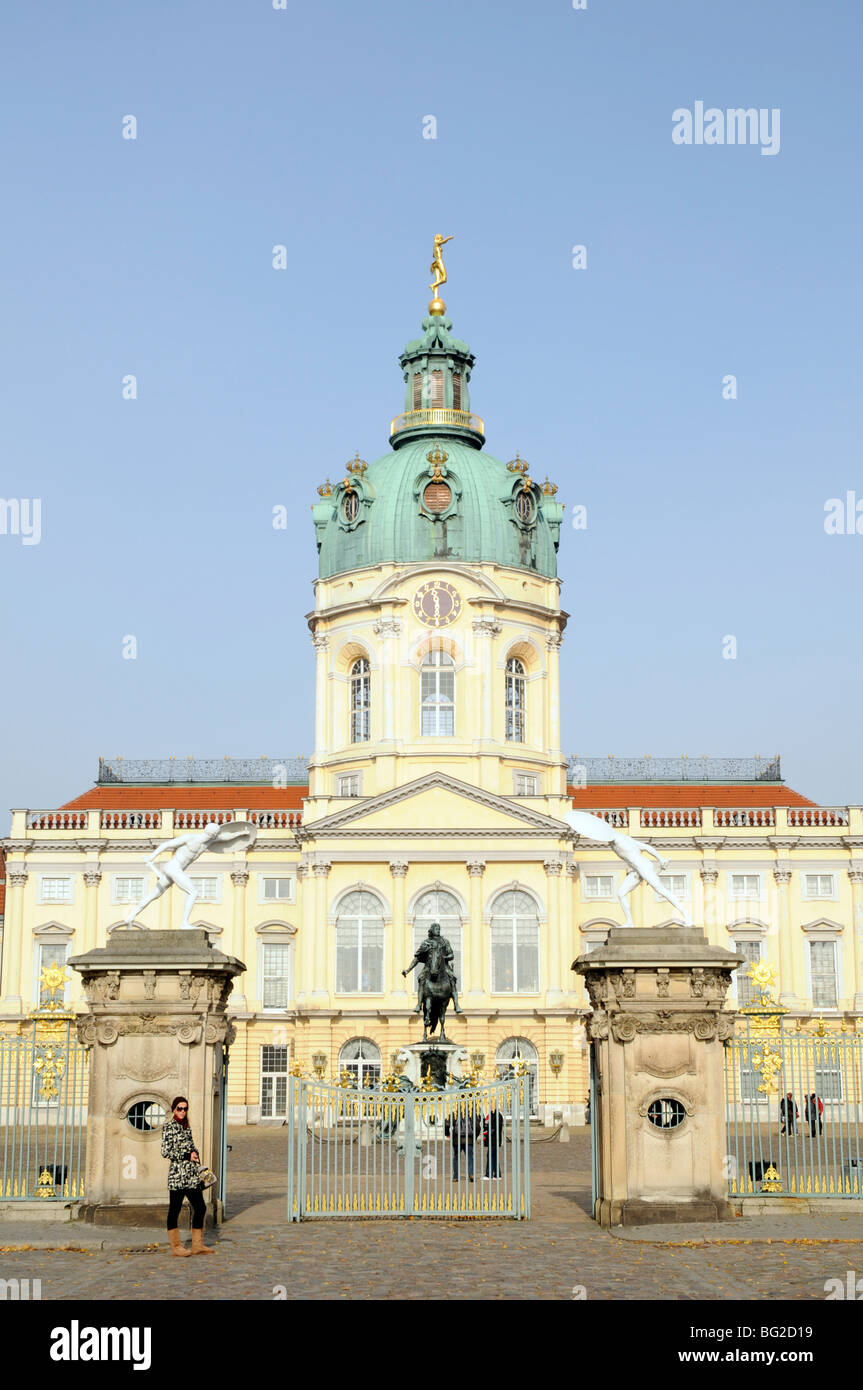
[196, 1202]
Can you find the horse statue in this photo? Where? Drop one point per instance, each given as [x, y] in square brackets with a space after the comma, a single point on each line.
[436, 984]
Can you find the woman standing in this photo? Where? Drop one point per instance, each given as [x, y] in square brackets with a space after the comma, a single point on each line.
[183, 1179]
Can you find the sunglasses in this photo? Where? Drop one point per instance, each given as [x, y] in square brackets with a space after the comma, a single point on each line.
[178, 1108]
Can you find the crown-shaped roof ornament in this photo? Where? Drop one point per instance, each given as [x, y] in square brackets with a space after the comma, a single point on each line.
[325, 489]
[357, 465]
[549, 489]
[520, 465]
[437, 457]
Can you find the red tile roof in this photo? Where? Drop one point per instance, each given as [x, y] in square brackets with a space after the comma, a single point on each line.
[688, 794]
[256, 798]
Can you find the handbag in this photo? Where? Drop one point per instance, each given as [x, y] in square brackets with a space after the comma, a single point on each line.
[207, 1177]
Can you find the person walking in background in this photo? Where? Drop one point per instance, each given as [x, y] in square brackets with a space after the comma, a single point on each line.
[184, 1179]
[814, 1113]
[788, 1113]
[492, 1138]
[463, 1129]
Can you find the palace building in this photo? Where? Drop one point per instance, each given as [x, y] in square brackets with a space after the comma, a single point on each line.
[436, 791]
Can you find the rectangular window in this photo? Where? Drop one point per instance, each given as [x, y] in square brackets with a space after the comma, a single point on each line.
[678, 884]
[50, 953]
[819, 885]
[56, 890]
[276, 972]
[359, 958]
[438, 702]
[599, 885]
[274, 1082]
[279, 890]
[828, 1083]
[746, 885]
[348, 784]
[208, 889]
[751, 953]
[456, 390]
[436, 389]
[128, 890]
[418, 391]
[526, 784]
[822, 960]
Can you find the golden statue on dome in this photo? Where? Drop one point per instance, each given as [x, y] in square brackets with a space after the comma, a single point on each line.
[438, 270]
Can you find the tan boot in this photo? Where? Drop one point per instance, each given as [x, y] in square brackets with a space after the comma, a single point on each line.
[177, 1244]
[198, 1246]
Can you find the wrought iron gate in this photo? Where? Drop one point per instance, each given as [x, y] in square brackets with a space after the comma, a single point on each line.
[395, 1151]
[43, 1112]
[222, 1151]
[794, 1108]
[593, 1121]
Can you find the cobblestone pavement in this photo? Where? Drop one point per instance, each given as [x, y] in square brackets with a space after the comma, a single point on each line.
[260, 1256]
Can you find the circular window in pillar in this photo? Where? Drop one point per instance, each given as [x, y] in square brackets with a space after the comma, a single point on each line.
[146, 1115]
[525, 508]
[667, 1113]
[350, 507]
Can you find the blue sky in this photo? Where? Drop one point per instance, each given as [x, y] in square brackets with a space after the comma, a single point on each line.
[304, 127]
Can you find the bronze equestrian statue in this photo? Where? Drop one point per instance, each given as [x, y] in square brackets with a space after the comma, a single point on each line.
[436, 984]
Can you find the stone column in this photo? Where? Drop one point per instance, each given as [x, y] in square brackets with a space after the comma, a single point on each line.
[13, 933]
[157, 1026]
[855, 874]
[484, 630]
[387, 629]
[322, 720]
[321, 983]
[477, 984]
[554, 994]
[553, 643]
[306, 946]
[400, 945]
[787, 994]
[657, 1033]
[708, 908]
[240, 881]
[92, 879]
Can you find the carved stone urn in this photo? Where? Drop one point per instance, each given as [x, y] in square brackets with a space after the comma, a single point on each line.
[157, 1027]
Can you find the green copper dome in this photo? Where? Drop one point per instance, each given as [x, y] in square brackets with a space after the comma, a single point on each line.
[436, 495]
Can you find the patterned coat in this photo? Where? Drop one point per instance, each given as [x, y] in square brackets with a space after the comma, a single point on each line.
[177, 1144]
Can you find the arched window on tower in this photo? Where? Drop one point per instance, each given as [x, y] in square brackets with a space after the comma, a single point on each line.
[514, 944]
[418, 391]
[436, 389]
[456, 390]
[361, 709]
[437, 695]
[514, 703]
[437, 905]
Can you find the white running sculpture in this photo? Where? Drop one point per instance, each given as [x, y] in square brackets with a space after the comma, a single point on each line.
[235, 834]
[633, 853]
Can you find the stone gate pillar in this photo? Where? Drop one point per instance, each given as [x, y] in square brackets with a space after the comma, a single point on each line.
[657, 1033]
[156, 1027]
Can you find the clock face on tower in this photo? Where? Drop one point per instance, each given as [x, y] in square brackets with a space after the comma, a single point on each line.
[437, 604]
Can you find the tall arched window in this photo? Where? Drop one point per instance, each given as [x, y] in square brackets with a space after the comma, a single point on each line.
[361, 702]
[361, 1058]
[418, 391]
[456, 390]
[360, 945]
[507, 1056]
[437, 694]
[514, 944]
[439, 906]
[514, 700]
[436, 389]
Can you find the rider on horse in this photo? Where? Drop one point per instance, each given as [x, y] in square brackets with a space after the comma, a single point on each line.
[434, 941]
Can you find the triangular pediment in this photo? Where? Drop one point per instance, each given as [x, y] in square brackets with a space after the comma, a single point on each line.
[439, 800]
